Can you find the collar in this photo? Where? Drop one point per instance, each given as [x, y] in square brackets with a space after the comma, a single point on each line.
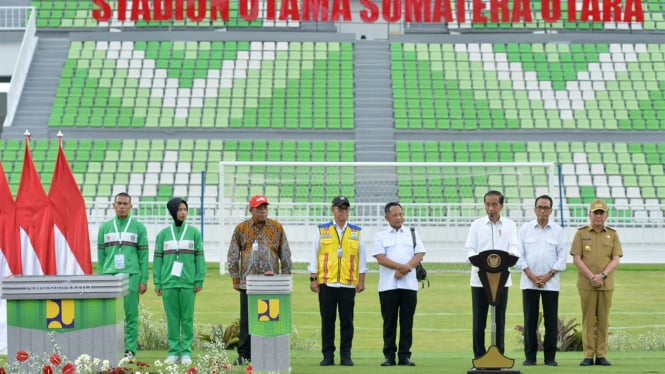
[487, 220]
[537, 225]
[340, 228]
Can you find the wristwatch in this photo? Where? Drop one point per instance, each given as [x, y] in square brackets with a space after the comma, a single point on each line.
[312, 279]
[604, 275]
[552, 273]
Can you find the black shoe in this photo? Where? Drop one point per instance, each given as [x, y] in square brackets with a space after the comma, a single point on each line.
[241, 361]
[586, 362]
[405, 362]
[602, 361]
[130, 356]
[346, 361]
[551, 363]
[529, 363]
[388, 362]
[327, 361]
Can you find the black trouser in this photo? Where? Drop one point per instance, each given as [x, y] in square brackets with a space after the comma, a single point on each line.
[245, 340]
[530, 301]
[396, 304]
[480, 306]
[332, 299]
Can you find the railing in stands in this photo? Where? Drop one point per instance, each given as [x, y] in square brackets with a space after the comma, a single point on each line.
[12, 19]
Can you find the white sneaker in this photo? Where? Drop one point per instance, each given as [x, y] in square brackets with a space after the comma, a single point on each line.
[172, 360]
[186, 360]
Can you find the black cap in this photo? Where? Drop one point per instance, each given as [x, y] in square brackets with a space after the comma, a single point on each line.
[341, 200]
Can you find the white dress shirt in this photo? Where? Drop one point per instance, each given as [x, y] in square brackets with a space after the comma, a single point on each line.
[397, 245]
[485, 235]
[541, 250]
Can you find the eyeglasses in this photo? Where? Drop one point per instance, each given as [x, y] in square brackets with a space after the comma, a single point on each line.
[543, 208]
[599, 212]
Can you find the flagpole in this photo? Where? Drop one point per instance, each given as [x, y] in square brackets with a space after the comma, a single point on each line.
[60, 135]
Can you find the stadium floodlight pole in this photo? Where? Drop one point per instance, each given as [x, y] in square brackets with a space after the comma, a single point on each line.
[558, 169]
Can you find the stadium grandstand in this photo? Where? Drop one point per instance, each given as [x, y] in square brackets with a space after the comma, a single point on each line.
[430, 114]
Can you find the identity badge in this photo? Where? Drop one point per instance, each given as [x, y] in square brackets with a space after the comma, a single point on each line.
[176, 270]
[119, 261]
[255, 246]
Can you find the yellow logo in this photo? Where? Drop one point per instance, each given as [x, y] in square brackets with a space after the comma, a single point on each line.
[268, 310]
[60, 314]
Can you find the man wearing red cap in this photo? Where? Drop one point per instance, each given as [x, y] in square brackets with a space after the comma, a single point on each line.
[258, 246]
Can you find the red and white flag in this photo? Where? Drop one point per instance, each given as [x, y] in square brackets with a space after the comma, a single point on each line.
[34, 221]
[70, 229]
[10, 254]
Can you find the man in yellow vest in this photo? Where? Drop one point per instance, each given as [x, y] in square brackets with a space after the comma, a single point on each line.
[337, 272]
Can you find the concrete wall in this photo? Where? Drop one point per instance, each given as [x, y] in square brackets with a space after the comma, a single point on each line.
[9, 51]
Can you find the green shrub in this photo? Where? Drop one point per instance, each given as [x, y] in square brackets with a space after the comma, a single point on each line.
[568, 338]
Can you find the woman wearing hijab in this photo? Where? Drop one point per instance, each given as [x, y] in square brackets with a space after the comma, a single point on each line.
[179, 269]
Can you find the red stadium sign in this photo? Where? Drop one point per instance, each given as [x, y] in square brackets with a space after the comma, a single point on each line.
[427, 11]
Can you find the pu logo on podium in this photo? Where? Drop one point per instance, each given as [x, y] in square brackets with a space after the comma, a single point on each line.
[60, 314]
[268, 310]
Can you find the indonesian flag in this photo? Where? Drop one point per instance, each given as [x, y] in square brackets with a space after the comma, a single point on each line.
[10, 255]
[35, 222]
[70, 229]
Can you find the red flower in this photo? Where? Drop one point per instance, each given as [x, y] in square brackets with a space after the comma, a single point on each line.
[47, 369]
[69, 368]
[142, 364]
[192, 371]
[2, 371]
[55, 359]
[22, 356]
[248, 370]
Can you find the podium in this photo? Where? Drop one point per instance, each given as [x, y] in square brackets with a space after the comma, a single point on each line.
[85, 313]
[269, 314]
[493, 271]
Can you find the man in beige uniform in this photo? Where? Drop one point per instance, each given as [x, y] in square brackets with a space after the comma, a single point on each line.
[596, 252]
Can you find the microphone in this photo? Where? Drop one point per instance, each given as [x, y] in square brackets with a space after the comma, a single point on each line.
[492, 227]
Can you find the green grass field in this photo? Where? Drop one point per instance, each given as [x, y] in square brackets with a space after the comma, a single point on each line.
[442, 331]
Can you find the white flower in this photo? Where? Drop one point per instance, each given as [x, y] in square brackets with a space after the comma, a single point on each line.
[158, 363]
[123, 361]
[106, 365]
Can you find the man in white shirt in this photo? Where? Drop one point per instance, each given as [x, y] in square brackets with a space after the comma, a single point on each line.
[490, 232]
[398, 257]
[337, 272]
[542, 256]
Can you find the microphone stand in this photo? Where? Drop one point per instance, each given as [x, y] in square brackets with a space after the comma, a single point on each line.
[493, 307]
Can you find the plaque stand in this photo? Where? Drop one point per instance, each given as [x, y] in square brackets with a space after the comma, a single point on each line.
[493, 270]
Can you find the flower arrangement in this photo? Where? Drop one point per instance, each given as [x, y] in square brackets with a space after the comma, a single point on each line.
[213, 360]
